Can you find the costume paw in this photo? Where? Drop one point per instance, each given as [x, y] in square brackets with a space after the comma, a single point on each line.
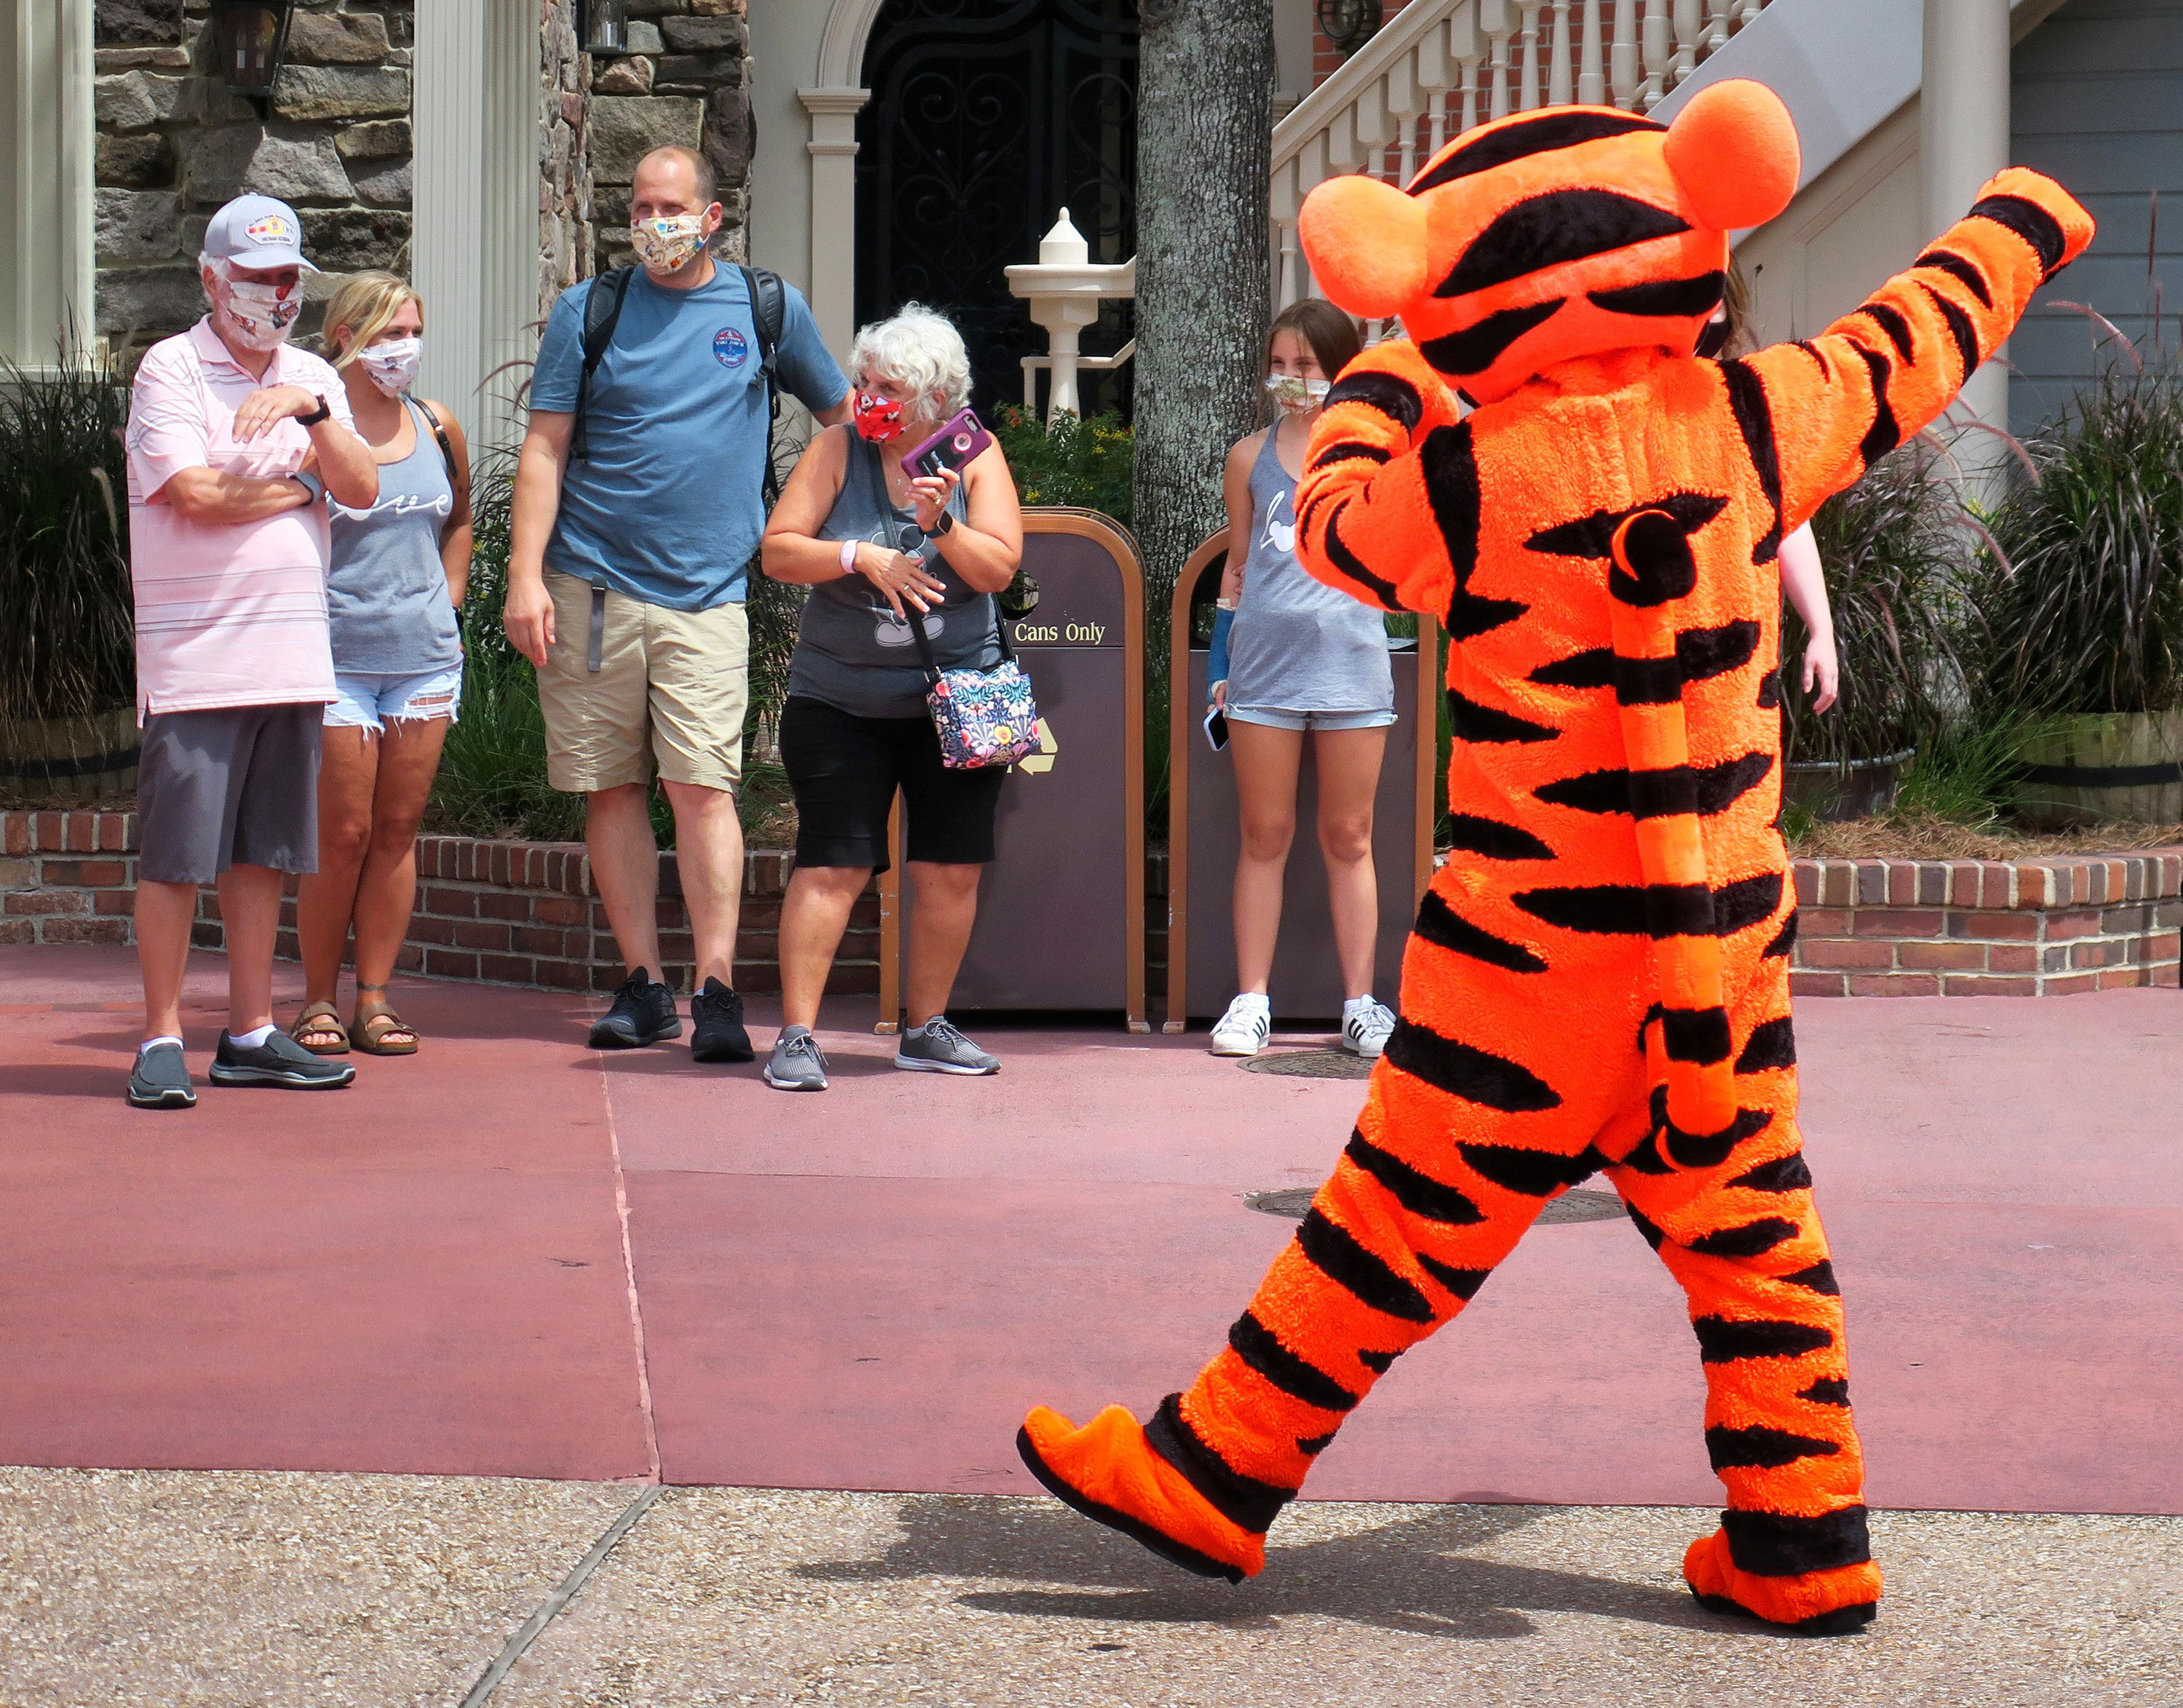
[1109, 1472]
[1833, 1603]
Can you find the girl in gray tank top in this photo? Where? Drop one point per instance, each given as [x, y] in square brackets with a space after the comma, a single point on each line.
[1292, 657]
[387, 585]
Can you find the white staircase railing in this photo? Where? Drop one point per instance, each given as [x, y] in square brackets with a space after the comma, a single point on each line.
[1440, 67]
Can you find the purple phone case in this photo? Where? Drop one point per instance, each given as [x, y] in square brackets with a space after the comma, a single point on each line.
[942, 452]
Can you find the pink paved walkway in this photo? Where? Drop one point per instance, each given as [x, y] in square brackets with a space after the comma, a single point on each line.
[509, 1255]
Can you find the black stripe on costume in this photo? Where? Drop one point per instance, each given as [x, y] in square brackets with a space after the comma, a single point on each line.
[1772, 1043]
[1656, 910]
[1379, 1363]
[1390, 394]
[2030, 221]
[1658, 793]
[1958, 267]
[1959, 328]
[1418, 1193]
[1655, 1235]
[1790, 1173]
[1705, 654]
[1769, 690]
[1818, 1278]
[1519, 141]
[1828, 1390]
[1747, 902]
[1777, 1544]
[1440, 924]
[1784, 939]
[1648, 682]
[1758, 1448]
[1258, 1346]
[1886, 432]
[1463, 1283]
[1472, 614]
[1728, 1340]
[1699, 1035]
[1665, 297]
[1450, 467]
[1593, 668]
[1593, 536]
[1311, 1446]
[1339, 554]
[1754, 420]
[1662, 566]
[1549, 229]
[1463, 1070]
[1494, 840]
[1345, 450]
[1644, 1157]
[1700, 655]
[1338, 1254]
[1890, 320]
[1476, 348]
[1711, 1149]
[1533, 1173]
[1241, 1500]
[1473, 722]
[1752, 1239]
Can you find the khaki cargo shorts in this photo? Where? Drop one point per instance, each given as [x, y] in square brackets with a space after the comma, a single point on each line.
[681, 677]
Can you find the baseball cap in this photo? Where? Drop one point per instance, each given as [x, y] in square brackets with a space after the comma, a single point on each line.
[257, 231]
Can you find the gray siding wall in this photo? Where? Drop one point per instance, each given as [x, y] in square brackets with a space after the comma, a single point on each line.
[2098, 105]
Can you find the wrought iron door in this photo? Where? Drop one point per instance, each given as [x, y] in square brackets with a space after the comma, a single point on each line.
[986, 117]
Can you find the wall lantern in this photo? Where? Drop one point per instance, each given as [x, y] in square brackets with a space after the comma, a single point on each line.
[250, 43]
[1348, 23]
[606, 26]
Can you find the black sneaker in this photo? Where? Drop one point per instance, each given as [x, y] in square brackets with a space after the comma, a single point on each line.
[643, 1012]
[279, 1061]
[161, 1079]
[716, 1025]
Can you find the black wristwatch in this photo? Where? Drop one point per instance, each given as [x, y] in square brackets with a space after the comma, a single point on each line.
[947, 524]
[324, 410]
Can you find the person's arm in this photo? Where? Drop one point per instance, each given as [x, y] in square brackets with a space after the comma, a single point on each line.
[214, 496]
[459, 537]
[807, 368]
[791, 552]
[528, 612]
[986, 549]
[1235, 490]
[839, 415]
[344, 463]
[1803, 578]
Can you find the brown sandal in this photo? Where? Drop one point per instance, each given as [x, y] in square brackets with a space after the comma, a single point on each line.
[320, 1019]
[374, 1021]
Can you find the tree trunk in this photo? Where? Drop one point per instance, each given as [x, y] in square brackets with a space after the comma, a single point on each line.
[1205, 84]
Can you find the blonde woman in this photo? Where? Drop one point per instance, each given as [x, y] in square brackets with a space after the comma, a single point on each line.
[397, 574]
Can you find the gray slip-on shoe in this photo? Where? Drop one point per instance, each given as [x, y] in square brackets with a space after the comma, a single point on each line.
[796, 1064]
[161, 1079]
[938, 1048]
[279, 1061]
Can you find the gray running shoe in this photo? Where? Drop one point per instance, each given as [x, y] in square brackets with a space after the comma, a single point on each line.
[796, 1064]
[161, 1079]
[938, 1048]
[279, 1061]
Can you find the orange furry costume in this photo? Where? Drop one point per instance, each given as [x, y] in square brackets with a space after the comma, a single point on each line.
[1599, 976]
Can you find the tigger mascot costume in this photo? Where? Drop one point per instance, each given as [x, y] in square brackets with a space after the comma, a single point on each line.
[1599, 976]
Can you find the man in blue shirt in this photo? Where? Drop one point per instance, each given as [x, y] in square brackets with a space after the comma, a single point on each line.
[625, 581]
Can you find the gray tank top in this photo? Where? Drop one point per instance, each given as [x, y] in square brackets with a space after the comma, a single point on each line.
[850, 651]
[387, 589]
[1298, 645]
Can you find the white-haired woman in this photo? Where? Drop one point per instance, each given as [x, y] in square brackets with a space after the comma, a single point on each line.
[394, 580]
[879, 551]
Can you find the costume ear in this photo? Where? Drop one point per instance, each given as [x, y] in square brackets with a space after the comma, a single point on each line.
[1733, 150]
[1366, 243]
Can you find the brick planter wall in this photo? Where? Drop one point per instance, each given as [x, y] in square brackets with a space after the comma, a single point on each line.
[525, 913]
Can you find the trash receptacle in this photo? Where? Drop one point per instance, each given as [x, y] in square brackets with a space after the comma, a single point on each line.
[1061, 910]
[1204, 835]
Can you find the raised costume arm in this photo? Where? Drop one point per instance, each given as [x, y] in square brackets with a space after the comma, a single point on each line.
[1816, 414]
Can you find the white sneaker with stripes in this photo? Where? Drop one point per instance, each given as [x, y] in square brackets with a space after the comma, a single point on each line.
[1365, 1025]
[1245, 1028]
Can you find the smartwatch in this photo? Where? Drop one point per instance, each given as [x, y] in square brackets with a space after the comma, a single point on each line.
[320, 413]
[947, 524]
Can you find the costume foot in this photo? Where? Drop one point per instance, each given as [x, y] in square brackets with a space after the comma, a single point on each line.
[1109, 1472]
[1834, 1603]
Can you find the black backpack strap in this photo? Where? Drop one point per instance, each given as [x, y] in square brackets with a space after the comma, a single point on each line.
[769, 301]
[439, 432]
[603, 305]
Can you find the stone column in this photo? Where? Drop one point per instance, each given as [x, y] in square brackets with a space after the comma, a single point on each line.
[833, 150]
[1963, 116]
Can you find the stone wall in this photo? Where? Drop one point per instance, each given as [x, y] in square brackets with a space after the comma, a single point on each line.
[566, 241]
[173, 145]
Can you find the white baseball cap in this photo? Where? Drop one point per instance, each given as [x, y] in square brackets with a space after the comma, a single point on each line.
[257, 232]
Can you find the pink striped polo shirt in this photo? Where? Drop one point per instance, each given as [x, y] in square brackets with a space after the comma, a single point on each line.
[227, 614]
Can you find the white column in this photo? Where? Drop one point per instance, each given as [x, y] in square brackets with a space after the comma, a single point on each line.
[47, 134]
[833, 151]
[1964, 124]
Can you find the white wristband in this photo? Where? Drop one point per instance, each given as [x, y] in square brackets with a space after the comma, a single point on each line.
[849, 557]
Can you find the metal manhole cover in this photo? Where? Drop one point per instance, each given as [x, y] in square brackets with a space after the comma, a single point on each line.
[1310, 1064]
[1570, 1206]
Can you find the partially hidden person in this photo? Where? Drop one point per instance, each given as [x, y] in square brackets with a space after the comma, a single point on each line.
[398, 574]
[1293, 657]
[639, 501]
[879, 551]
[1598, 978]
[237, 440]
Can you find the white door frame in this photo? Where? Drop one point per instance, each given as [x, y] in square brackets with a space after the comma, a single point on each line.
[49, 256]
[833, 101]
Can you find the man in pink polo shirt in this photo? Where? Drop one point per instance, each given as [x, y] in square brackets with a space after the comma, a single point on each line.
[235, 440]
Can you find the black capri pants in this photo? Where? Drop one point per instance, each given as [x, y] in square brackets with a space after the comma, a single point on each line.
[844, 770]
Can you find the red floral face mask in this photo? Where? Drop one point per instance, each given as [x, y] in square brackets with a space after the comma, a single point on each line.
[878, 420]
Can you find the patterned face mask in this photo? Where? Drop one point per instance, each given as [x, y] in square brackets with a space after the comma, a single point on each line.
[261, 316]
[877, 420]
[668, 246]
[393, 364]
[1293, 396]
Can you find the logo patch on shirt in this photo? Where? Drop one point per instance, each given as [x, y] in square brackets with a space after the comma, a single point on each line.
[730, 348]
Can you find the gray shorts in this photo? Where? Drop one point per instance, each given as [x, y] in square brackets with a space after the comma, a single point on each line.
[238, 786]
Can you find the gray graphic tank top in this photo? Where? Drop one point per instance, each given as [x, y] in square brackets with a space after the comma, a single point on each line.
[1298, 645]
[386, 590]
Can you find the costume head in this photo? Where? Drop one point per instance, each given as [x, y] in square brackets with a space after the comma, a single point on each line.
[1563, 232]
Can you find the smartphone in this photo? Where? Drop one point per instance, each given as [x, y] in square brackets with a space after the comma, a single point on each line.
[953, 446]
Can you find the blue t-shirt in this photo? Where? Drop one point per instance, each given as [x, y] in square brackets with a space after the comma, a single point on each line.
[669, 506]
